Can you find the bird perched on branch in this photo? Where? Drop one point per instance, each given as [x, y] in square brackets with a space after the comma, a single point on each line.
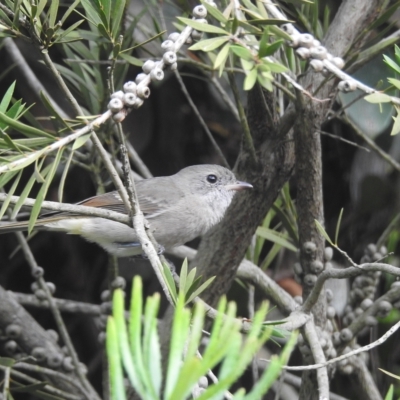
[179, 208]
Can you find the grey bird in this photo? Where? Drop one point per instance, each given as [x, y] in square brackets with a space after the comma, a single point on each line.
[178, 208]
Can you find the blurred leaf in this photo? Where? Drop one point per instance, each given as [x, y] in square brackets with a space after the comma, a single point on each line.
[269, 21]
[338, 226]
[116, 376]
[396, 126]
[214, 12]
[151, 345]
[191, 295]
[5, 102]
[378, 98]
[221, 58]
[209, 44]
[43, 191]
[10, 193]
[275, 237]
[384, 17]
[269, 50]
[250, 79]
[322, 231]
[169, 281]
[65, 33]
[393, 65]
[69, 10]
[23, 128]
[394, 82]
[117, 12]
[390, 392]
[52, 15]
[131, 60]
[242, 52]
[201, 27]
[7, 362]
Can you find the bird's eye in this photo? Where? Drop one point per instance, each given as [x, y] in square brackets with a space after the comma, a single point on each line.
[211, 178]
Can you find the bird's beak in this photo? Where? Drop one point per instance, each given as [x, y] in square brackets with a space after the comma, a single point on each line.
[239, 186]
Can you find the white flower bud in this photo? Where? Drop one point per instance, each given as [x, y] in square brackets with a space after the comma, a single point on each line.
[317, 65]
[148, 66]
[168, 45]
[318, 52]
[303, 53]
[115, 105]
[138, 102]
[199, 12]
[143, 92]
[130, 87]
[288, 28]
[169, 58]
[157, 74]
[306, 40]
[119, 116]
[118, 95]
[174, 36]
[347, 86]
[130, 99]
[140, 78]
[338, 62]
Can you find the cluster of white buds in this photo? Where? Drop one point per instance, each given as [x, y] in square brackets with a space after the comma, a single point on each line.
[199, 15]
[134, 93]
[307, 47]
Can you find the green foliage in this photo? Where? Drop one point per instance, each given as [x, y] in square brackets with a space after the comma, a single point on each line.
[136, 348]
[279, 227]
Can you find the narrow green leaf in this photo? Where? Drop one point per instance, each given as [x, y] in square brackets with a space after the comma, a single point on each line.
[116, 16]
[214, 12]
[279, 32]
[221, 58]
[338, 226]
[169, 280]
[43, 191]
[69, 11]
[180, 331]
[250, 79]
[269, 50]
[394, 82]
[396, 126]
[52, 110]
[249, 28]
[378, 98]
[114, 362]
[151, 346]
[23, 128]
[81, 141]
[53, 12]
[390, 392]
[322, 231]
[27, 189]
[10, 193]
[209, 44]
[183, 275]
[5, 102]
[134, 367]
[190, 279]
[7, 362]
[242, 52]
[201, 289]
[131, 60]
[64, 177]
[9, 142]
[201, 27]
[70, 29]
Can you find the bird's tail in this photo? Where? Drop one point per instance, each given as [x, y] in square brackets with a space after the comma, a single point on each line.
[18, 226]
